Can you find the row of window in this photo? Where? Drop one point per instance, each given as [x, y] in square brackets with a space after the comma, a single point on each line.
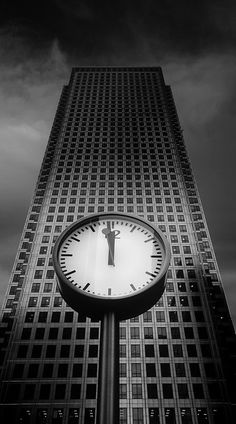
[64, 351]
[136, 415]
[31, 391]
[65, 370]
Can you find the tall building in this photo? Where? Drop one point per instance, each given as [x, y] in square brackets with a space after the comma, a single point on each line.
[116, 145]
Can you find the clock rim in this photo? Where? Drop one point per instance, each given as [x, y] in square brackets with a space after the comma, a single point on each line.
[98, 302]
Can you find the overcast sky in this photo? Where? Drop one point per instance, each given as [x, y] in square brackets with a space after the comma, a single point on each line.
[193, 41]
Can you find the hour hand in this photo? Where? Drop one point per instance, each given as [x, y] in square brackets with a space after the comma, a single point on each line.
[110, 236]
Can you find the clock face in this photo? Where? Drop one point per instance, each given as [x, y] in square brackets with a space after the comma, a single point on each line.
[111, 256]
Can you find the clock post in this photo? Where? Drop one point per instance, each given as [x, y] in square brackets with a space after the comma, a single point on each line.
[111, 267]
[108, 378]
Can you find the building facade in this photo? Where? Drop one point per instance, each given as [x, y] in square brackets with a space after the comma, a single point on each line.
[116, 145]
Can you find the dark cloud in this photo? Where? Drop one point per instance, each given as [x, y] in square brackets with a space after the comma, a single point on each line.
[194, 42]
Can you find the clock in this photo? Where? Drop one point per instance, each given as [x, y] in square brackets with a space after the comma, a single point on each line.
[111, 262]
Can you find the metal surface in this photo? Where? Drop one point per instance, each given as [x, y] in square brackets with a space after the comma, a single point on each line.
[108, 379]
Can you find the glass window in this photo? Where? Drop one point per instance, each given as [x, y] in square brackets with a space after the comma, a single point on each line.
[167, 391]
[137, 415]
[180, 369]
[163, 351]
[149, 351]
[135, 369]
[153, 414]
[182, 390]
[151, 370]
[76, 390]
[186, 416]
[202, 416]
[137, 391]
[165, 370]
[152, 391]
[170, 416]
[91, 391]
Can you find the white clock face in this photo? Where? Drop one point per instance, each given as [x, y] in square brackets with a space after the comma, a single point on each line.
[111, 257]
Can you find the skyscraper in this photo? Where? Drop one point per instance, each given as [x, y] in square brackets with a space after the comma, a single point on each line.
[116, 145]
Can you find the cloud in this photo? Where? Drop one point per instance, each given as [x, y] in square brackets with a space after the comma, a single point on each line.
[29, 93]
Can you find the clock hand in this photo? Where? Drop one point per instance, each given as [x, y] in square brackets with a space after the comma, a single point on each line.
[110, 236]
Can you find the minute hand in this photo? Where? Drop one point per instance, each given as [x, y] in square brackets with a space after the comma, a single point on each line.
[110, 236]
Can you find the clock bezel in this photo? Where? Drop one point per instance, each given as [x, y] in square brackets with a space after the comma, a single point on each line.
[125, 306]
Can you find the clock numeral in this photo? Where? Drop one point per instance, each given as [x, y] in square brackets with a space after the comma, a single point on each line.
[149, 239]
[70, 272]
[133, 228]
[156, 256]
[66, 254]
[86, 286]
[133, 287]
[152, 275]
[109, 291]
[75, 238]
[91, 228]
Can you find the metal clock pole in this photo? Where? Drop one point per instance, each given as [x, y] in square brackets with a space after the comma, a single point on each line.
[108, 378]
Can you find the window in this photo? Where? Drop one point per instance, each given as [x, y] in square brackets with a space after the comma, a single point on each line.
[152, 391]
[65, 351]
[62, 370]
[148, 332]
[123, 391]
[177, 350]
[93, 351]
[36, 351]
[135, 369]
[134, 333]
[45, 302]
[66, 333]
[186, 416]
[91, 391]
[153, 414]
[180, 369]
[32, 302]
[151, 370]
[160, 316]
[161, 333]
[170, 416]
[80, 333]
[167, 391]
[79, 351]
[51, 351]
[42, 317]
[192, 350]
[76, 390]
[194, 369]
[137, 415]
[137, 391]
[188, 332]
[202, 417]
[165, 370]
[60, 391]
[123, 370]
[163, 351]
[182, 390]
[175, 332]
[198, 391]
[92, 370]
[135, 351]
[18, 371]
[77, 370]
[29, 317]
[149, 351]
[89, 416]
[94, 333]
[186, 316]
[173, 316]
[44, 391]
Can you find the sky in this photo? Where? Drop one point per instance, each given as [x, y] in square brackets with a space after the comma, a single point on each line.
[195, 44]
